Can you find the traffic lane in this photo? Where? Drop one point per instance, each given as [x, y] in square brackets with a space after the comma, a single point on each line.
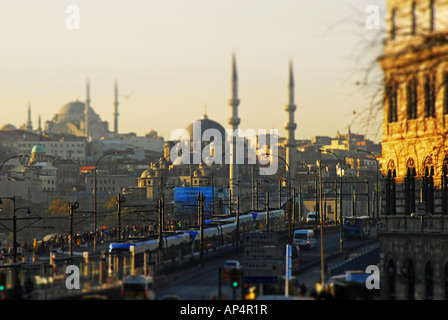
[200, 283]
[332, 246]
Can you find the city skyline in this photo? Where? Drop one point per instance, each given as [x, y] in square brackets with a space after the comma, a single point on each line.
[172, 61]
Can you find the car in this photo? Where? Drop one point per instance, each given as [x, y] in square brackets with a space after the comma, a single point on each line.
[170, 297]
[311, 217]
[232, 264]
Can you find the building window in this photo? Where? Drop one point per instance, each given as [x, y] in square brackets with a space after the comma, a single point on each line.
[444, 186]
[429, 281]
[414, 19]
[445, 101]
[393, 22]
[392, 91]
[391, 207]
[432, 16]
[428, 187]
[412, 99]
[430, 96]
[446, 281]
[409, 185]
[391, 280]
[410, 273]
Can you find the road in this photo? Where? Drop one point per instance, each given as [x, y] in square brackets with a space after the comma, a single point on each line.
[202, 282]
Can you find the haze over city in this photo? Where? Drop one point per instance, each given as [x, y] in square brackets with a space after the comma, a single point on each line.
[173, 59]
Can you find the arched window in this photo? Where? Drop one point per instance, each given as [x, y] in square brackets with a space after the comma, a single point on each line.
[444, 186]
[432, 16]
[414, 19]
[428, 185]
[429, 281]
[391, 271]
[409, 272]
[446, 281]
[391, 207]
[430, 96]
[392, 97]
[409, 184]
[412, 99]
[393, 24]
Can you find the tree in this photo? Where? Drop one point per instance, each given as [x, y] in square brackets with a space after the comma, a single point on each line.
[58, 207]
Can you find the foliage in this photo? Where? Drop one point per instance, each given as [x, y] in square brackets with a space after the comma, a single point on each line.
[58, 207]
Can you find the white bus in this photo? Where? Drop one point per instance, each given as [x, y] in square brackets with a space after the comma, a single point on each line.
[137, 288]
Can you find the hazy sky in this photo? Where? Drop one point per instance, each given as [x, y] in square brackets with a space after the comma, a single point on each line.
[172, 57]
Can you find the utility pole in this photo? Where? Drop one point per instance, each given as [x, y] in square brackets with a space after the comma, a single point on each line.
[201, 199]
[71, 206]
[237, 222]
[161, 223]
[267, 211]
[120, 200]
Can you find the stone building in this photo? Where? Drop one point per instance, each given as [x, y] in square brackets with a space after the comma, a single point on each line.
[413, 228]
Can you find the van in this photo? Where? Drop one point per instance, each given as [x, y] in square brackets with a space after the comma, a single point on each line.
[137, 288]
[311, 217]
[305, 238]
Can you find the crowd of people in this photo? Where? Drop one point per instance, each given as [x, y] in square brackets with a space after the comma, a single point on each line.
[104, 234]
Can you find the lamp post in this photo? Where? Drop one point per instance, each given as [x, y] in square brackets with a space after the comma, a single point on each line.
[230, 192]
[120, 200]
[377, 210]
[71, 207]
[95, 200]
[13, 157]
[322, 257]
[341, 248]
[288, 197]
[14, 223]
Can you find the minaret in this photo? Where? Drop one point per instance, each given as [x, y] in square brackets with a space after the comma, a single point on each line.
[86, 111]
[39, 128]
[116, 110]
[234, 121]
[29, 125]
[290, 126]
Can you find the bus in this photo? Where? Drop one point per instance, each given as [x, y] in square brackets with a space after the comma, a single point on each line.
[357, 227]
[136, 287]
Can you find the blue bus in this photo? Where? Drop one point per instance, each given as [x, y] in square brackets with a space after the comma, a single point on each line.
[357, 227]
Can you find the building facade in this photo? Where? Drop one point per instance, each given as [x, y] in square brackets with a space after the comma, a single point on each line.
[413, 229]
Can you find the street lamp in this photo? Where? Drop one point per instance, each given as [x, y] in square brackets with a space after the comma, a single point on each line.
[95, 200]
[13, 157]
[340, 201]
[377, 185]
[14, 228]
[289, 195]
[322, 257]
[71, 207]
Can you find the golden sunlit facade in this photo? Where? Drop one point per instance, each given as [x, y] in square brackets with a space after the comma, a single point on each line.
[413, 228]
[415, 123]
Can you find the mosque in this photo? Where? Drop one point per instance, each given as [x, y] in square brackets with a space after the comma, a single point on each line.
[79, 119]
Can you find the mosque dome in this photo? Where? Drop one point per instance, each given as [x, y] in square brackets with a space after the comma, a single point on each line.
[38, 149]
[8, 127]
[206, 124]
[74, 112]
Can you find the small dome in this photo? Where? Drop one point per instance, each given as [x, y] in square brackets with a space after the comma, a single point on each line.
[8, 127]
[38, 149]
[147, 174]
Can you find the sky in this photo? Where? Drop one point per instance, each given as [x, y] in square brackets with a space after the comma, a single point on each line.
[172, 60]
